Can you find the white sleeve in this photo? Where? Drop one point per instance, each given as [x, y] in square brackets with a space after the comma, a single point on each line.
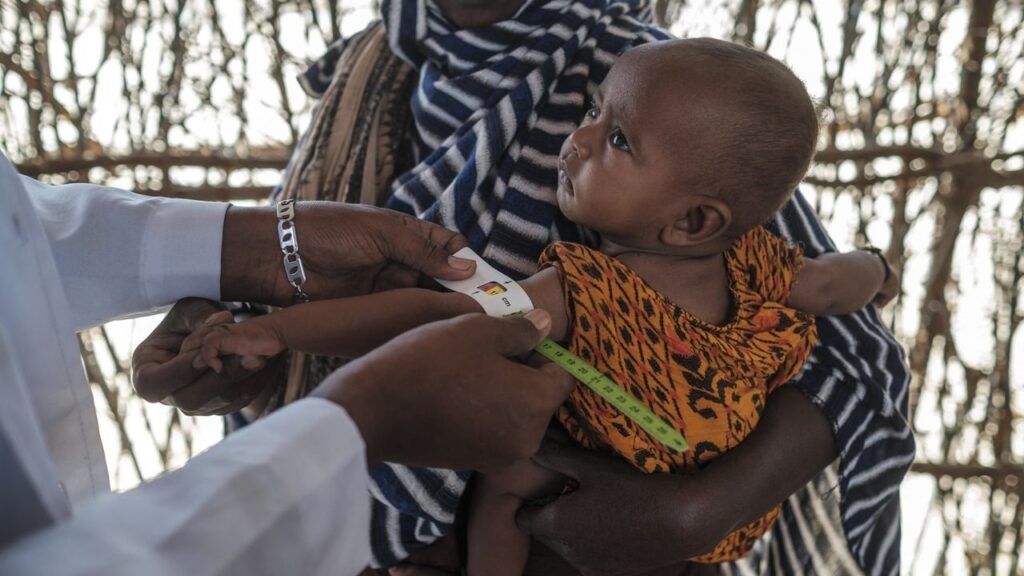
[120, 253]
[286, 495]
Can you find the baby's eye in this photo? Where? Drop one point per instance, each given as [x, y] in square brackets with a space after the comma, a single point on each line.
[593, 112]
[618, 140]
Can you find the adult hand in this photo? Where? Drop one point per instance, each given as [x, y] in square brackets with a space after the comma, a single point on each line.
[163, 372]
[621, 521]
[449, 393]
[441, 558]
[346, 250]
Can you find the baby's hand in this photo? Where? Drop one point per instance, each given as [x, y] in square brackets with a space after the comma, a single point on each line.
[248, 338]
[889, 290]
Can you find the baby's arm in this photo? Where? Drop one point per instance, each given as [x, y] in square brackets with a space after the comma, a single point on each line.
[351, 327]
[345, 327]
[545, 291]
[834, 284]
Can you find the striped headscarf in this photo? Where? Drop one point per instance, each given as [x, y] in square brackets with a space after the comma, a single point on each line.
[492, 108]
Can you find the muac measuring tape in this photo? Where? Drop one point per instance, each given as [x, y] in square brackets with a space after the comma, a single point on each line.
[501, 296]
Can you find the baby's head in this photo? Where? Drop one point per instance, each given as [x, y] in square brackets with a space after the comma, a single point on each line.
[688, 144]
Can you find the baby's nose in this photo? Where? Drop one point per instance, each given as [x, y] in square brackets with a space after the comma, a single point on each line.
[577, 140]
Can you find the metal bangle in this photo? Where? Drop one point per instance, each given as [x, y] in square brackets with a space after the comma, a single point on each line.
[881, 255]
[288, 237]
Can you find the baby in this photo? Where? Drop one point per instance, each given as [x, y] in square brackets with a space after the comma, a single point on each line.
[689, 303]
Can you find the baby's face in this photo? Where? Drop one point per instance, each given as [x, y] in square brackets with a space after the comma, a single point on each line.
[623, 170]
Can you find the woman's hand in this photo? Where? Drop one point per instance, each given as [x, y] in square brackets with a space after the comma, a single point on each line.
[621, 521]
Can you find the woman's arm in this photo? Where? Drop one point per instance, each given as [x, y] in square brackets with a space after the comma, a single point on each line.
[621, 521]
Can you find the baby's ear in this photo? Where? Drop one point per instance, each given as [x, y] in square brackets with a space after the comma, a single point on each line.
[701, 219]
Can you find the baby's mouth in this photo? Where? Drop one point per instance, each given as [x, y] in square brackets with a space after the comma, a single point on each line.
[563, 177]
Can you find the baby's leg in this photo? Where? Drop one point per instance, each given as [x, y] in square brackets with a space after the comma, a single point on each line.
[496, 546]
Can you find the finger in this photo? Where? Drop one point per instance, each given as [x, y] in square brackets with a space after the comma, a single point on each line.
[514, 336]
[222, 317]
[237, 397]
[249, 387]
[564, 382]
[191, 313]
[166, 339]
[209, 352]
[213, 392]
[574, 461]
[230, 339]
[535, 359]
[213, 346]
[162, 344]
[199, 362]
[549, 385]
[425, 247]
[253, 363]
[154, 380]
[215, 364]
[450, 240]
[195, 339]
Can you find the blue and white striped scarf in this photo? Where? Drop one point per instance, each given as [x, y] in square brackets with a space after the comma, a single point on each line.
[491, 110]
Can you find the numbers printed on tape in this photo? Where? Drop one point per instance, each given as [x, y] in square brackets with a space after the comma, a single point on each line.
[616, 396]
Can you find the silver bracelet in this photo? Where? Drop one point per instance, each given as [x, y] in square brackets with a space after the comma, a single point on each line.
[289, 239]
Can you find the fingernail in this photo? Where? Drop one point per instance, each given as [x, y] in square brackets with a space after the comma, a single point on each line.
[539, 318]
[460, 263]
[211, 319]
[198, 363]
[252, 362]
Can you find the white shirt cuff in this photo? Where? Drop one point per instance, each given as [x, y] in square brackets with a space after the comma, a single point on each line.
[181, 251]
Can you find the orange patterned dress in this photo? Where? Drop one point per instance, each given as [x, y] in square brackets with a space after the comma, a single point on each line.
[710, 381]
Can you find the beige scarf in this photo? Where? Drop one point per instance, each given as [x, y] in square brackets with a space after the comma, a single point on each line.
[355, 142]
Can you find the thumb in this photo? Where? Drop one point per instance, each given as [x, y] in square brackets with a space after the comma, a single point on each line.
[155, 380]
[562, 457]
[572, 460]
[517, 336]
[565, 383]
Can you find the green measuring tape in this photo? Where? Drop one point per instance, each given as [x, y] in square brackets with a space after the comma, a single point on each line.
[606, 388]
